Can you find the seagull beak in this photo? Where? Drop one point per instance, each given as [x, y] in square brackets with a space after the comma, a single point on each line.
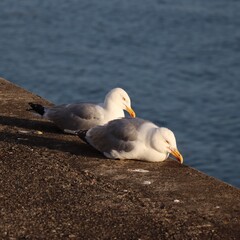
[177, 154]
[130, 111]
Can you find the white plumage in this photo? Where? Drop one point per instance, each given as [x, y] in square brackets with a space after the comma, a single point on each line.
[133, 139]
[74, 117]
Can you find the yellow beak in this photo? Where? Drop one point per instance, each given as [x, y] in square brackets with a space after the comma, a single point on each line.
[177, 155]
[131, 112]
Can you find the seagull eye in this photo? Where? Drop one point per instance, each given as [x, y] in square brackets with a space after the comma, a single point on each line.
[124, 99]
[167, 141]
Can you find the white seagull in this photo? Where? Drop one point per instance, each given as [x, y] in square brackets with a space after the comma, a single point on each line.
[82, 116]
[133, 138]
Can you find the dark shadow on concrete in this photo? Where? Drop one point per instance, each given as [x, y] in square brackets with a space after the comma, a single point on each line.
[44, 126]
[76, 147]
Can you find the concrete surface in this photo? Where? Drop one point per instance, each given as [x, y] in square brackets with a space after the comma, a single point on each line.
[53, 186]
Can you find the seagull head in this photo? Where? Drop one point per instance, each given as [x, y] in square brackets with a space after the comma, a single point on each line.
[165, 142]
[119, 97]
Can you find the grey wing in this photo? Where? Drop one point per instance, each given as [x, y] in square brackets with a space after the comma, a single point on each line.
[76, 116]
[116, 135]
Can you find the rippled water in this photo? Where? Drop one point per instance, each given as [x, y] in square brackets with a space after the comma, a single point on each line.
[179, 61]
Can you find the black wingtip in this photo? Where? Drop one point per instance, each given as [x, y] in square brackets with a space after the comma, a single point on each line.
[38, 108]
[82, 135]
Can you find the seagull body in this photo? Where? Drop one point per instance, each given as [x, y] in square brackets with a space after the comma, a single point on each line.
[82, 116]
[132, 138]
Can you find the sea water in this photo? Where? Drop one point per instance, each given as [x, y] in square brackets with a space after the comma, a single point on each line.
[178, 60]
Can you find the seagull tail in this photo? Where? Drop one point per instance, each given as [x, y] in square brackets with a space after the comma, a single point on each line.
[82, 135]
[37, 108]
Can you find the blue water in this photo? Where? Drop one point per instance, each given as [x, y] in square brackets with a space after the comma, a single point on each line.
[178, 60]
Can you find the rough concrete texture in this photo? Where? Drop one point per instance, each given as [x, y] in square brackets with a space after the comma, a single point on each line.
[53, 186]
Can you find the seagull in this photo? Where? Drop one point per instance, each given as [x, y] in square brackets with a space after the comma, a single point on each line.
[74, 117]
[133, 138]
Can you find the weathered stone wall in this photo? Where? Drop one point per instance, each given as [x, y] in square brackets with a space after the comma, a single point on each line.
[53, 186]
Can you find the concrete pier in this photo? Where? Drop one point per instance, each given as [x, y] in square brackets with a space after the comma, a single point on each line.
[53, 186]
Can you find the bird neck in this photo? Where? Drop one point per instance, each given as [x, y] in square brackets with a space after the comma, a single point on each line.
[153, 138]
[113, 110]
[110, 105]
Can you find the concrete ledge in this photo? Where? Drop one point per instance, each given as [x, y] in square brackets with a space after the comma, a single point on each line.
[53, 186]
